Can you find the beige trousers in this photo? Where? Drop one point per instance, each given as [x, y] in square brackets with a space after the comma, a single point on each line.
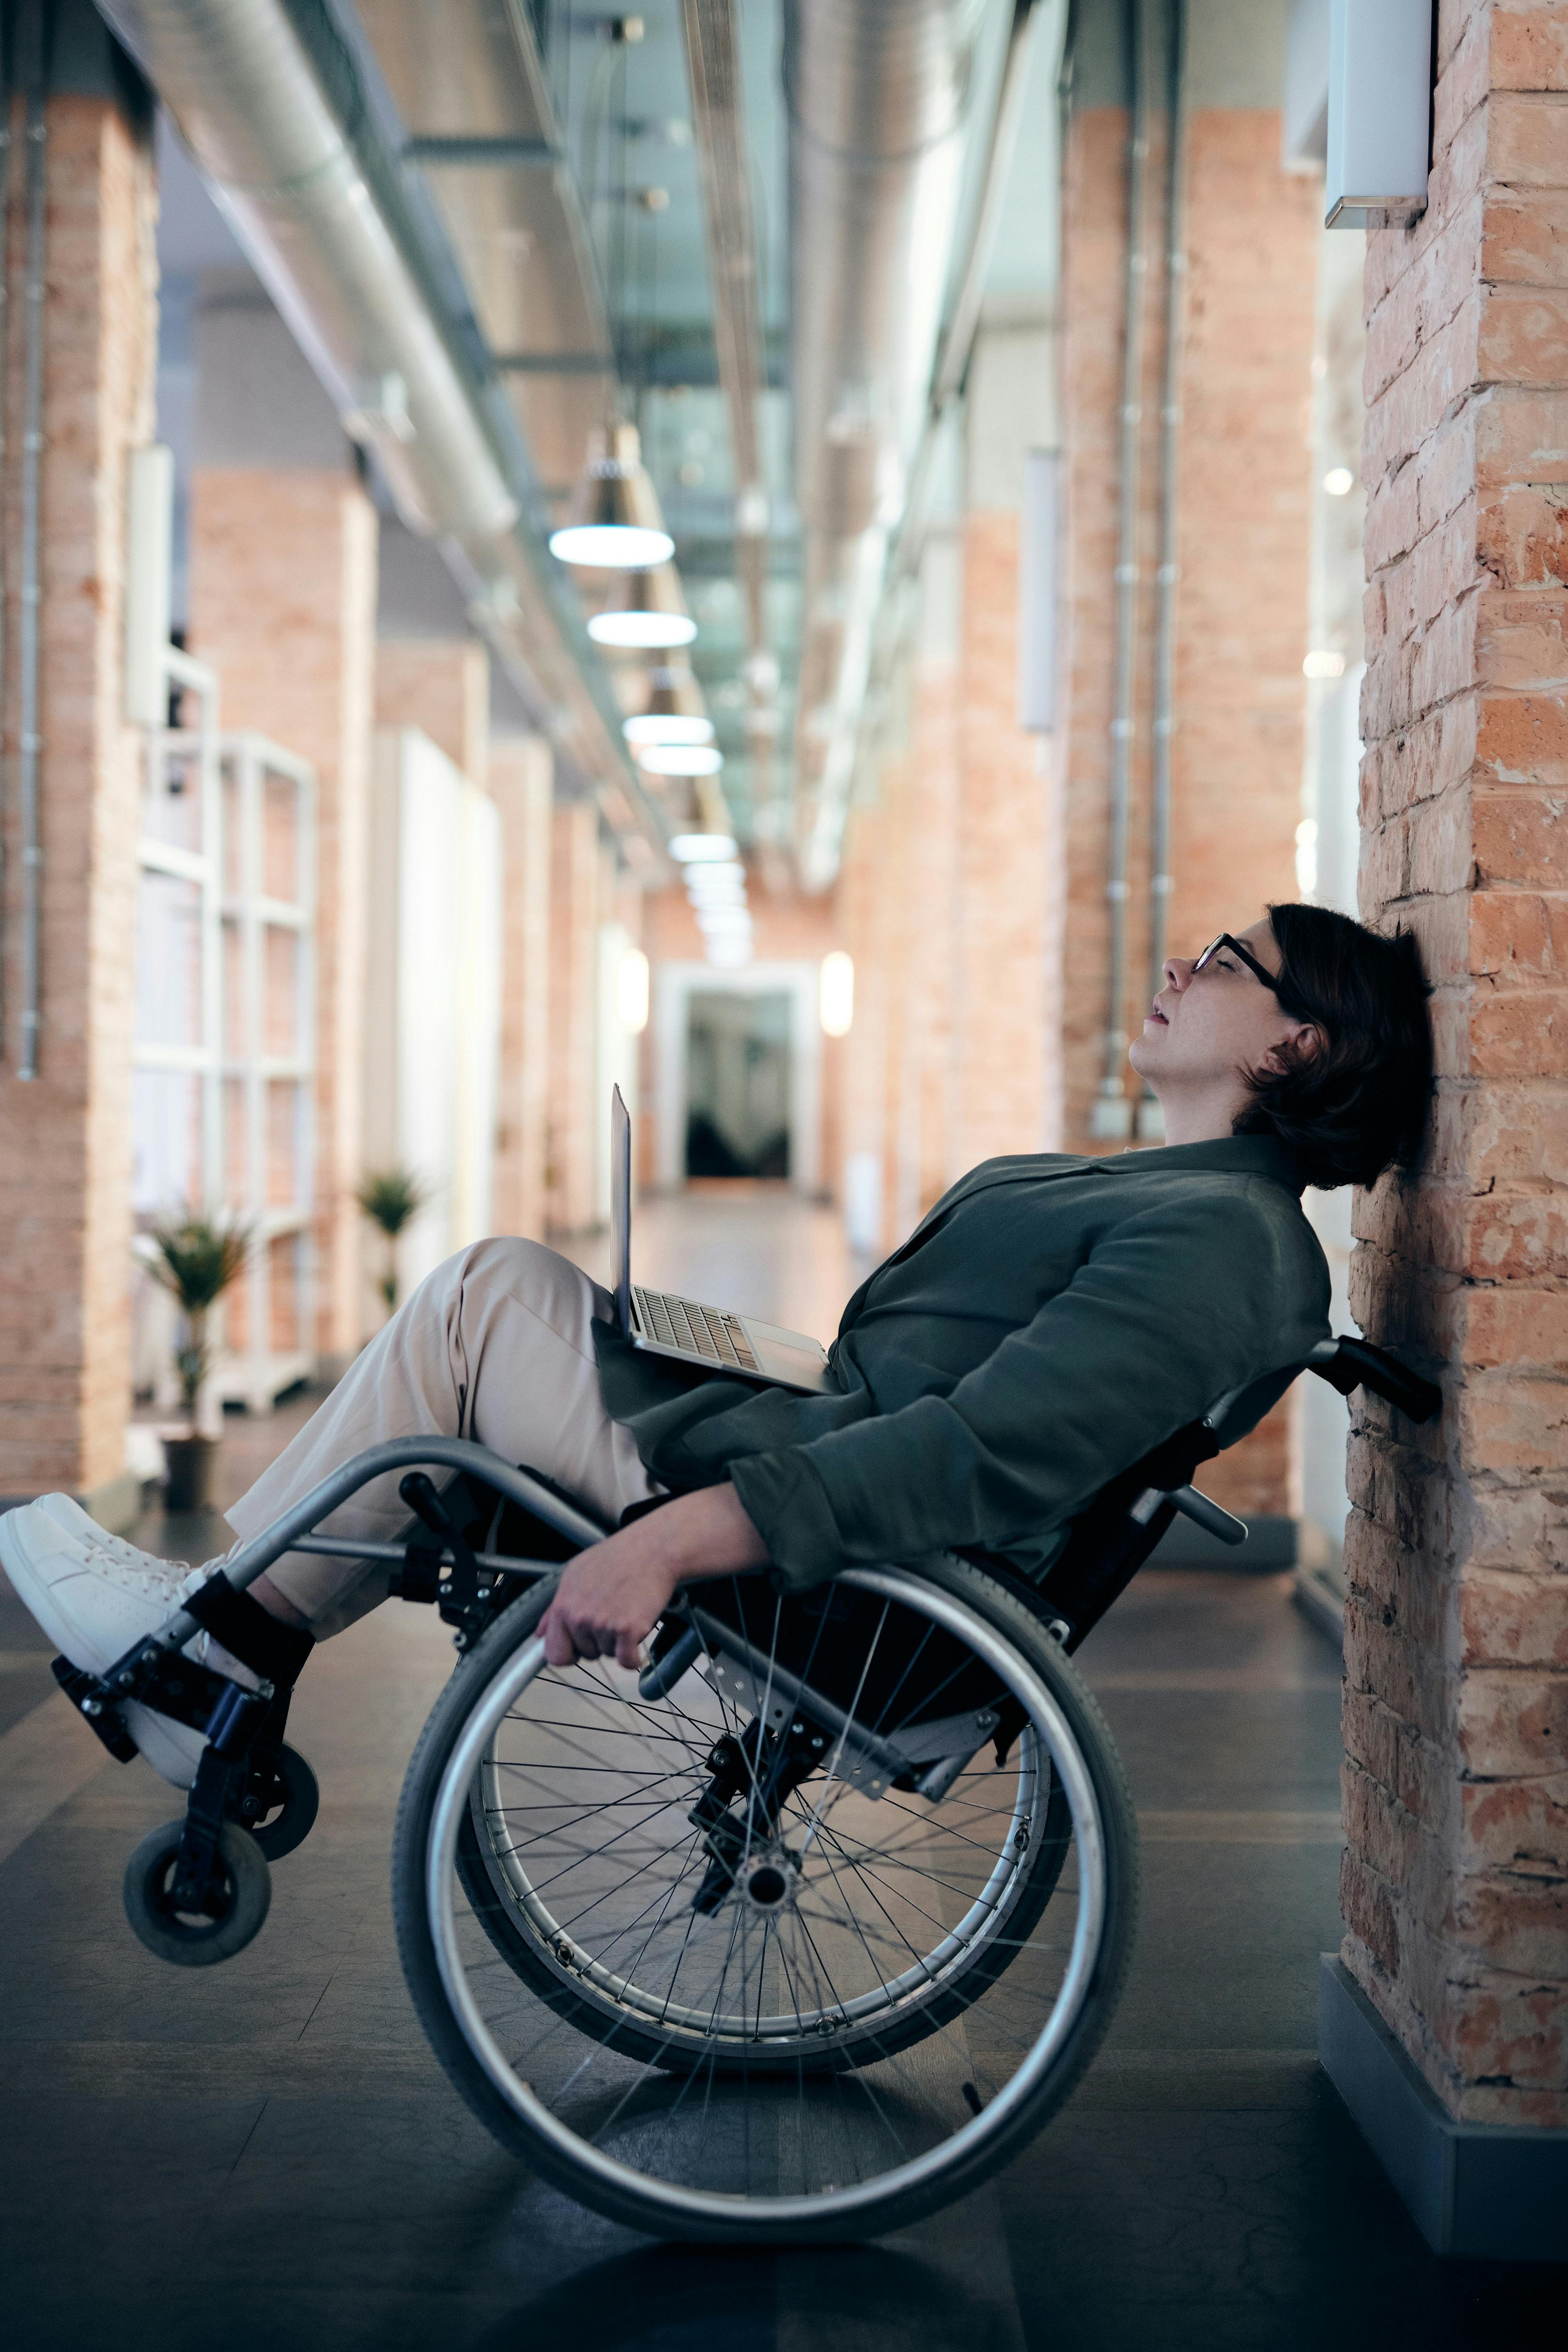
[496, 1345]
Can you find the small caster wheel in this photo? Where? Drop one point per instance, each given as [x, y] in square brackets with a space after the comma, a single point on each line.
[239, 1894]
[287, 1798]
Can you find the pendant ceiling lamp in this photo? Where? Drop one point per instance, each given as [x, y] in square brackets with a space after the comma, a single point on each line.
[615, 524]
[650, 615]
[680, 759]
[670, 716]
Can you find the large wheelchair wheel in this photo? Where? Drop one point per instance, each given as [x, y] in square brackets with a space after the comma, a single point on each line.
[716, 1990]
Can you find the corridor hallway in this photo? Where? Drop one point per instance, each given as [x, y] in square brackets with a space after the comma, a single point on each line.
[266, 2154]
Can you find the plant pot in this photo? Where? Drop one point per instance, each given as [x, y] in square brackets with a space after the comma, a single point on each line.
[193, 1465]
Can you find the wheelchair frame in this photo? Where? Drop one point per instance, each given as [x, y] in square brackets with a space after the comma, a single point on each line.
[243, 1728]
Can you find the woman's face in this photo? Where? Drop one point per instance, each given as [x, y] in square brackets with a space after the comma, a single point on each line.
[1205, 1027]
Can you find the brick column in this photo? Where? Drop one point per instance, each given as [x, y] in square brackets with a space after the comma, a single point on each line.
[442, 687]
[1008, 1026]
[283, 588]
[571, 1193]
[522, 775]
[65, 1136]
[1455, 1877]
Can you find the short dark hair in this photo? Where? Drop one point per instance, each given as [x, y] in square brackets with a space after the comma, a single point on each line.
[1358, 1104]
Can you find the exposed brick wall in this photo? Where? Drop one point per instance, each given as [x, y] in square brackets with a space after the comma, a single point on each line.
[283, 589]
[1008, 1040]
[1455, 1877]
[442, 687]
[65, 1137]
[520, 778]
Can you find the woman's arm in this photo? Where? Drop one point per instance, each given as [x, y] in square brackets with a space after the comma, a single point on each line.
[611, 1596]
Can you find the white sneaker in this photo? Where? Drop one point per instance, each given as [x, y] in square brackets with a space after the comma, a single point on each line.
[95, 1594]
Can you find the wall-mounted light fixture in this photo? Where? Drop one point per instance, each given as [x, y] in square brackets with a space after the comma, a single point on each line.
[836, 994]
[1380, 109]
[632, 992]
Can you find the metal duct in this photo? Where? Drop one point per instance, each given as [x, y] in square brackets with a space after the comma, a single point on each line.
[877, 92]
[260, 121]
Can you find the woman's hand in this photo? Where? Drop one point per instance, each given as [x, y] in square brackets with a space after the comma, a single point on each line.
[610, 1597]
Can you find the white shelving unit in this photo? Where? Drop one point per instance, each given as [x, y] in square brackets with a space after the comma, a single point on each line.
[223, 1045]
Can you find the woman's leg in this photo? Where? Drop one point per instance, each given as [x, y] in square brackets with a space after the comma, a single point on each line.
[495, 1345]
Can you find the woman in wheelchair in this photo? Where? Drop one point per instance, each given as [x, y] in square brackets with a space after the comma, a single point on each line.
[1052, 1324]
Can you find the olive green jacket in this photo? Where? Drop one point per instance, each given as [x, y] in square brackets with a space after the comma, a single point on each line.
[1049, 1321]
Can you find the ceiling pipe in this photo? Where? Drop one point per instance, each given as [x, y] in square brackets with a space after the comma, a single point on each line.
[895, 615]
[262, 123]
[878, 92]
[718, 123]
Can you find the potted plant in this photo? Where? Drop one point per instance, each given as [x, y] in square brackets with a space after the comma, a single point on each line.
[196, 1258]
[390, 1198]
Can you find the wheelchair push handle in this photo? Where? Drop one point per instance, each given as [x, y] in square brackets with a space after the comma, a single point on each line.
[1350, 1363]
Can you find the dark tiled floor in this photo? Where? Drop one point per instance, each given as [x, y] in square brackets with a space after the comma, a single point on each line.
[266, 2154]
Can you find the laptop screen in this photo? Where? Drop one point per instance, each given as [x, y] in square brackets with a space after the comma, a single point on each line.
[621, 1209]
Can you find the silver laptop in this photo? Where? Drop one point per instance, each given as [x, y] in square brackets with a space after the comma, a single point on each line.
[684, 1329]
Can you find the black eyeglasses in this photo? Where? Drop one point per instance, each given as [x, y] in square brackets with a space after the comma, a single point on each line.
[1288, 1000]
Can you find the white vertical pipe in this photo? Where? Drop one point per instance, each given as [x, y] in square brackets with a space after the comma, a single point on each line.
[31, 743]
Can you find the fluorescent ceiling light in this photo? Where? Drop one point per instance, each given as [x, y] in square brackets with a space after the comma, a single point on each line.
[713, 886]
[701, 849]
[724, 921]
[680, 760]
[1323, 662]
[638, 630]
[1339, 481]
[666, 727]
[720, 874]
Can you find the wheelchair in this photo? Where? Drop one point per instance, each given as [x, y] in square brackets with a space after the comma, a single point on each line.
[796, 1935]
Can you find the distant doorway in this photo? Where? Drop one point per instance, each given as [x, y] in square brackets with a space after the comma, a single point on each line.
[738, 1083]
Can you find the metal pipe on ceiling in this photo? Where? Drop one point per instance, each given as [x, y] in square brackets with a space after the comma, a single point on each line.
[877, 92]
[953, 361]
[719, 125]
[263, 124]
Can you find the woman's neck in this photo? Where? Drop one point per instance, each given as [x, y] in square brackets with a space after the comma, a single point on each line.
[1208, 1116]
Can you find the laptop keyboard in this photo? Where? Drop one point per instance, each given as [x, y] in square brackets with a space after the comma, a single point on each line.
[697, 1331]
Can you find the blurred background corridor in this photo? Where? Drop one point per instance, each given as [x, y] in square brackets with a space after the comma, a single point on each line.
[779, 555]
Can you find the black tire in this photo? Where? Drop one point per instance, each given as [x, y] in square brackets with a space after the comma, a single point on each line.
[290, 1806]
[1020, 1626]
[244, 1892]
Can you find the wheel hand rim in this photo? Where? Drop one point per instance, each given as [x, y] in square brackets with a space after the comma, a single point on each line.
[951, 2152]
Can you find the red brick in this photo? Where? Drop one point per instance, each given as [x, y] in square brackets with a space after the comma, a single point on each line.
[1513, 1425]
[1525, 238]
[1522, 738]
[1515, 933]
[1522, 536]
[1523, 336]
[1520, 641]
[1521, 837]
[1527, 140]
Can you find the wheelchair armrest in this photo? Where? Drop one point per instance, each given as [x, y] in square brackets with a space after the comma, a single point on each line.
[1350, 1363]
